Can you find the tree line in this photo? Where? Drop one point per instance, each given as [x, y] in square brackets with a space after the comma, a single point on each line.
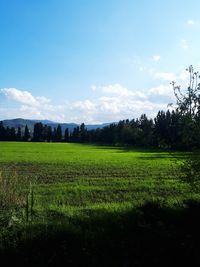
[40, 133]
[178, 128]
[11, 134]
[169, 129]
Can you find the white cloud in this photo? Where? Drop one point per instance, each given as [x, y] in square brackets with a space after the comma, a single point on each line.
[119, 90]
[85, 105]
[43, 100]
[167, 76]
[184, 44]
[32, 111]
[156, 58]
[115, 102]
[116, 89]
[24, 97]
[190, 22]
[30, 107]
[161, 90]
[170, 76]
[183, 76]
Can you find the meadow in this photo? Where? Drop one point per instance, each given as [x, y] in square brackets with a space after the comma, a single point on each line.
[82, 192]
[72, 177]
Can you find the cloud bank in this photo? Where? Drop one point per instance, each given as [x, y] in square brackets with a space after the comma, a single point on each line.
[115, 102]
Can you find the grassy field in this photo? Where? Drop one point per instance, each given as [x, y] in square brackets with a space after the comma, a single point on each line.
[73, 177]
[55, 185]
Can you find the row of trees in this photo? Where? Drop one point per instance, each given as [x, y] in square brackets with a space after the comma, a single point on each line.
[169, 129]
[176, 129]
[43, 133]
[46, 133]
[40, 133]
[11, 134]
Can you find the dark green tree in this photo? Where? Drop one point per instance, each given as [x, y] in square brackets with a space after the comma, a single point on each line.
[66, 136]
[54, 135]
[59, 133]
[188, 106]
[26, 134]
[45, 133]
[146, 135]
[12, 134]
[49, 134]
[19, 134]
[2, 132]
[37, 132]
[82, 133]
[76, 134]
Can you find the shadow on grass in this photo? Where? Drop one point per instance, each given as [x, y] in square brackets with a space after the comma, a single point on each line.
[150, 235]
[121, 148]
[159, 152]
[162, 156]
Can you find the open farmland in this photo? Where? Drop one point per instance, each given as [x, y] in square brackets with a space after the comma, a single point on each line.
[74, 177]
[70, 178]
[84, 191]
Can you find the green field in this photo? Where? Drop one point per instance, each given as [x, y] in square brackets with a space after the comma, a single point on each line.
[83, 187]
[70, 178]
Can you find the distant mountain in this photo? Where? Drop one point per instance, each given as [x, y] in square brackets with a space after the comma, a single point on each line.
[30, 123]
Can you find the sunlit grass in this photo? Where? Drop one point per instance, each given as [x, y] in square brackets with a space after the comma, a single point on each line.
[71, 179]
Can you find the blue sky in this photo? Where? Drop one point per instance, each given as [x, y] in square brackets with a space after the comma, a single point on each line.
[94, 60]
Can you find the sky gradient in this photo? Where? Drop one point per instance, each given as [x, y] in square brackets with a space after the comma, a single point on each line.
[94, 61]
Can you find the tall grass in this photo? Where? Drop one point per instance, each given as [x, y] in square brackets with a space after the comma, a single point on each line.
[16, 199]
[10, 191]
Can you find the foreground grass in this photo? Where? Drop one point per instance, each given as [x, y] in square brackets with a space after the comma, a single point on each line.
[73, 177]
[78, 192]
